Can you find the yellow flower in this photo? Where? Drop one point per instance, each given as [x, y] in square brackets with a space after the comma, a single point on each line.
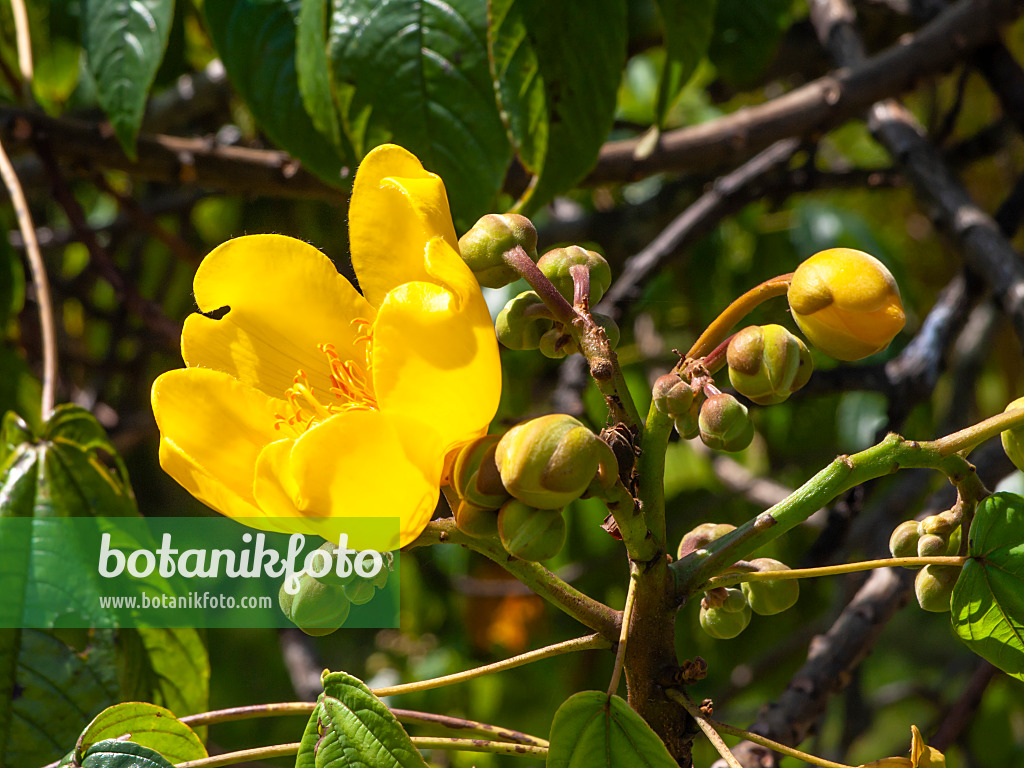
[921, 755]
[846, 303]
[308, 401]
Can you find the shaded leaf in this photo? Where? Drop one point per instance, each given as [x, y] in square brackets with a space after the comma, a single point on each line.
[352, 727]
[256, 40]
[988, 598]
[123, 754]
[418, 73]
[688, 26]
[594, 730]
[313, 71]
[146, 724]
[124, 42]
[556, 68]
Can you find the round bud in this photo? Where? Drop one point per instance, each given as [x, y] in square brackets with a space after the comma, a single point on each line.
[934, 587]
[903, 542]
[725, 424]
[1013, 439]
[475, 476]
[722, 624]
[317, 609]
[530, 533]
[483, 246]
[735, 600]
[476, 521]
[550, 461]
[931, 545]
[846, 303]
[381, 579]
[941, 524]
[953, 548]
[672, 395]
[522, 323]
[766, 598]
[360, 591]
[767, 363]
[688, 423]
[557, 267]
[557, 343]
[701, 536]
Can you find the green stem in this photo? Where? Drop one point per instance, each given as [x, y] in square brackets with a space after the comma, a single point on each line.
[891, 454]
[520, 261]
[586, 643]
[249, 712]
[716, 741]
[650, 466]
[970, 438]
[243, 755]
[480, 745]
[588, 611]
[627, 615]
[740, 308]
[494, 732]
[729, 579]
[641, 545]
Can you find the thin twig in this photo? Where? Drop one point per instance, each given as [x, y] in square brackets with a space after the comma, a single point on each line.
[627, 614]
[480, 745]
[39, 281]
[243, 755]
[716, 741]
[24, 44]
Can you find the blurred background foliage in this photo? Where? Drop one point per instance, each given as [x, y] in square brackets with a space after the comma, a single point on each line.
[121, 246]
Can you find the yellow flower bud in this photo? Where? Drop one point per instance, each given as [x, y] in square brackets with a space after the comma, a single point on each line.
[846, 303]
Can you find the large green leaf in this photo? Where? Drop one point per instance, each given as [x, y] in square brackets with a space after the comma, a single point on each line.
[148, 725]
[124, 41]
[418, 72]
[688, 26]
[313, 70]
[352, 727]
[594, 730]
[556, 69]
[123, 754]
[256, 40]
[169, 667]
[988, 599]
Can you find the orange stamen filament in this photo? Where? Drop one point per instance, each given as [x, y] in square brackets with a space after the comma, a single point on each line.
[351, 385]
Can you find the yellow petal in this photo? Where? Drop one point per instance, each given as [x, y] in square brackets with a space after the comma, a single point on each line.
[921, 755]
[436, 358]
[213, 428]
[358, 464]
[285, 298]
[397, 207]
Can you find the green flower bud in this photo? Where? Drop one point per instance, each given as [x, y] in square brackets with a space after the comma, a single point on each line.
[934, 587]
[941, 524]
[725, 424]
[556, 266]
[381, 579]
[954, 542]
[766, 598]
[359, 591]
[688, 423]
[317, 609]
[722, 624]
[903, 542]
[476, 521]
[550, 461]
[530, 533]
[1013, 439]
[701, 536]
[494, 234]
[734, 601]
[331, 578]
[931, 545]
[672, 395]
[517, 326]
[557, 343]
[767, 363]
[475, 475]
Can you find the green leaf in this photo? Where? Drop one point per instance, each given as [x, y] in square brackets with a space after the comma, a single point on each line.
[556, 69]
[352, 727]
[313, 71]
[688, 27]
[256, 40]
[593, 730]
[123, 754]
[124, 42]
[988, 598]
[746, 36]
[170, 667]
[148, 725]
[418, 72]
[51, 683]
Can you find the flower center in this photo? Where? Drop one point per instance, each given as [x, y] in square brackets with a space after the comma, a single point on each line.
[351, 386]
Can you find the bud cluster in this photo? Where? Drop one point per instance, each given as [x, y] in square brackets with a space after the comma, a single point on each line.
[725, 612]
[767, 363]
[721, 421]
[935, 536]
